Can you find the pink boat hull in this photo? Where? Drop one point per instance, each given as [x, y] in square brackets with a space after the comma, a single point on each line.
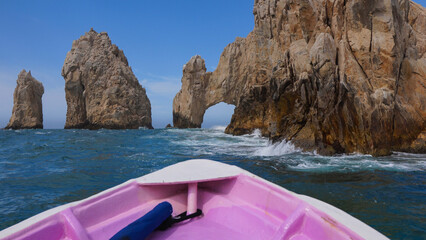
[235, 205]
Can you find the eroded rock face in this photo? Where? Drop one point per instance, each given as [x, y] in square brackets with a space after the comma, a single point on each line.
[101, 89]
[333, 76]
[27, 105]
[189, 104]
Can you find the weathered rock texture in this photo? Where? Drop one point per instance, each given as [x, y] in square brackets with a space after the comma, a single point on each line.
[335, 76]
[27, 107]
[101, 89]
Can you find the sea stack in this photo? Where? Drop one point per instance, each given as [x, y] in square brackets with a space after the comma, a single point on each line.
[100, 88]
[338, 76]
[27, 105]
[189, 105]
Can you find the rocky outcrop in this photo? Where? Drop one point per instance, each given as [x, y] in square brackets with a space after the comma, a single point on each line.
[335, 76]
[101, 89]
[27, 107]
[189, 104]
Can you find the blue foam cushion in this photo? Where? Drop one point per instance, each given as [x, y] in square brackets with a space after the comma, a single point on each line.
[141, 228]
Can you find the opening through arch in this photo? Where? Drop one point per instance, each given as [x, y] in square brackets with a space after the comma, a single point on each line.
[218, 115]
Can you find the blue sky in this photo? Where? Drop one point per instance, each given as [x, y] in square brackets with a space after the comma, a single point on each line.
[158, 38]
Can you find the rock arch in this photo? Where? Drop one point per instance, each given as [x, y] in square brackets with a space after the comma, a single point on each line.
[200, 90]
[318, 74]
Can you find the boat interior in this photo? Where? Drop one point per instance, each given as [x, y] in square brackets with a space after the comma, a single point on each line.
[237, 207]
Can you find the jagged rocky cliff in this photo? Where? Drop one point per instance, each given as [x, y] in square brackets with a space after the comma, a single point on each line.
[27, 109]
[335, 76]
[101, 89]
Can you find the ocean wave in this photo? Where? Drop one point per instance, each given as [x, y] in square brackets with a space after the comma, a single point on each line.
[256, 133]
[213, 142]
[137, 156]
[219, 128]
[276, 149]
[350, 163]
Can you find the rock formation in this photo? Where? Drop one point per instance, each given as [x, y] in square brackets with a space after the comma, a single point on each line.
[337, 76]
[101, 89]
[27, 108]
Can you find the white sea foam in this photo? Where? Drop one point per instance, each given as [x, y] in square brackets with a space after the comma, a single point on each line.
[356, 163]
[256, 133]
[137, 155]
[276, 149]
[219, 128]
[215, 141]
[212, 142]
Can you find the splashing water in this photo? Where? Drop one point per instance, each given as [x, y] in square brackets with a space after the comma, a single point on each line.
[276, 149]
[219, 128]
[205, 143]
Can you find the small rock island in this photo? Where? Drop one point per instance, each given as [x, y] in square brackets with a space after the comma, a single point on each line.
[101, 89]
[334, 77]
[27, 110]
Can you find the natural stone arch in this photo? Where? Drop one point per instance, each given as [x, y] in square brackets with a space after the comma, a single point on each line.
[326, 80]
[199, 92]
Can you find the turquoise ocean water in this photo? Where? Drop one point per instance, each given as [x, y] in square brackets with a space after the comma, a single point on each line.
[41, 169]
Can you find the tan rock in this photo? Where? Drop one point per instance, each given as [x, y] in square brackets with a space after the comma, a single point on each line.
[190, 113]
[101, 89]
[333, 76]
[27, 105]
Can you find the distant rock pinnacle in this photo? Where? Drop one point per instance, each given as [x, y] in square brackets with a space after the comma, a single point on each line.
[27, 107]
[101, 89]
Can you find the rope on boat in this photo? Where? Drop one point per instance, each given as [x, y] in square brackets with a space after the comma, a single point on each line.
[179, 218]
